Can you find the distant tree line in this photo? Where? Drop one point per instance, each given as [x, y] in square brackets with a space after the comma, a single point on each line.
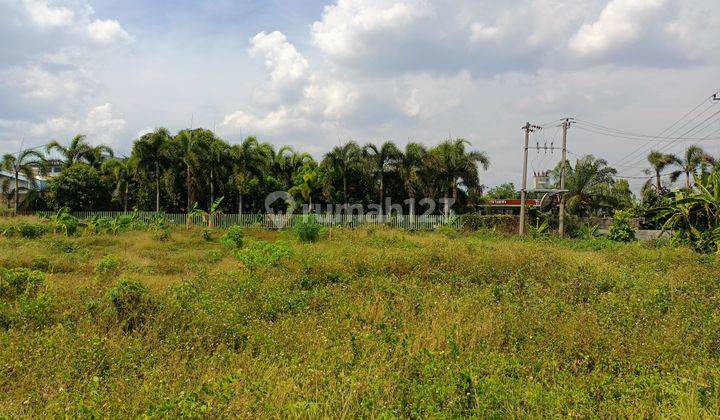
[174, 172]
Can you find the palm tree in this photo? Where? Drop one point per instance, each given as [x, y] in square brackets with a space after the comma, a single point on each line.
[218, 160]
[381, 159]
[97, 155]
[121, 172]
[192, 147]
[287, 162]
[693, 157]
[455, 166]
[307, 187]
[589, 184]
[25, 163]
[341, 160]
[75, 152]
[249, 159]
[659, 161]
[409, 165]
[151, 157]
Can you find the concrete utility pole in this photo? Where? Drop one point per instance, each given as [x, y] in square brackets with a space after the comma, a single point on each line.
[523, 191]
[561, 224]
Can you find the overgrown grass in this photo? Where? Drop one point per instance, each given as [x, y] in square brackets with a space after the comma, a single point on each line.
[363, 323]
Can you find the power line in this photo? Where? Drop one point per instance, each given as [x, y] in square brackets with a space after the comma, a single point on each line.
[674, 141]
[642, 137]
[671, 129]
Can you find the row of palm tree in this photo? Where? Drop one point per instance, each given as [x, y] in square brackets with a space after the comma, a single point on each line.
[694, 159]
[196, 166]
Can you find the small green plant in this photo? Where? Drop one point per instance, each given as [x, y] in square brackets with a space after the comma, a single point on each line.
[96, 225]
[31, 230]
[308, 229]
[587, 231]
[131, 303]
[233, 238]
[261, 254]
[207, 235]
[40, 263]
[160, 228]
[540, 230]
[108, 264]
[621, 231]
[20, 281]
[213, 256]
[63, 222]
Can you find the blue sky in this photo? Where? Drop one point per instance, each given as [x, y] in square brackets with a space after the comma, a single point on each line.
[312, 74]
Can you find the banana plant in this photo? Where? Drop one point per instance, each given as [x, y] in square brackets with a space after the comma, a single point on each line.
[694, 215]
[214, 211]
[195, 211]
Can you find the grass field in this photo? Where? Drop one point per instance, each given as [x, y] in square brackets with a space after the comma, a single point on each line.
[363, 323]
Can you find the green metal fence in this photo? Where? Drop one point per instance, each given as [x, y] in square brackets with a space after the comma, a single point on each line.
[284, 221]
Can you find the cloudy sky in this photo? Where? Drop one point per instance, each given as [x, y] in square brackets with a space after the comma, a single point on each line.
[315, 73]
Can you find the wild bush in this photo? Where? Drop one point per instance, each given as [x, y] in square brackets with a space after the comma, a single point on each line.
[27, 230]
[207, 235]
[31, 230]
[66, 246]
[308, 229]
[540, 230]
[621, 231]
[233, 238]
[586, 231]
[19, 281]
[40, 263]
[212, 256]
[63, 222]
[109, 264]
[160, 228]
[22, 304]
[33, 312]
[131, 303]
[504, 223]
[262, 254]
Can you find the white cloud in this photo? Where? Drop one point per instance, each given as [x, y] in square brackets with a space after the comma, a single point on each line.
[46, 16]
[273, 122]
[285, 65]
[107, 31]
[332, 98]
[426, 96]
[101, 124]
[344, 27]
[619, 22]
[37, 83]
[480, 32]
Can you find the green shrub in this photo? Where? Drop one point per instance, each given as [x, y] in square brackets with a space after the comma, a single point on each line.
[540, 230]
[33, 312]
[63, 222]
[308, 229]
[621, 231]
[233, 238]
[20, 281]
[65, 246]
[207, 235]
[24, 229]
[505, 223]
[212, 256]
[161, 234]
[131, 303]
[40, 263]
[586, 231]
[108, 264]
[261, 254]
[160, 228]
[31, 230]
